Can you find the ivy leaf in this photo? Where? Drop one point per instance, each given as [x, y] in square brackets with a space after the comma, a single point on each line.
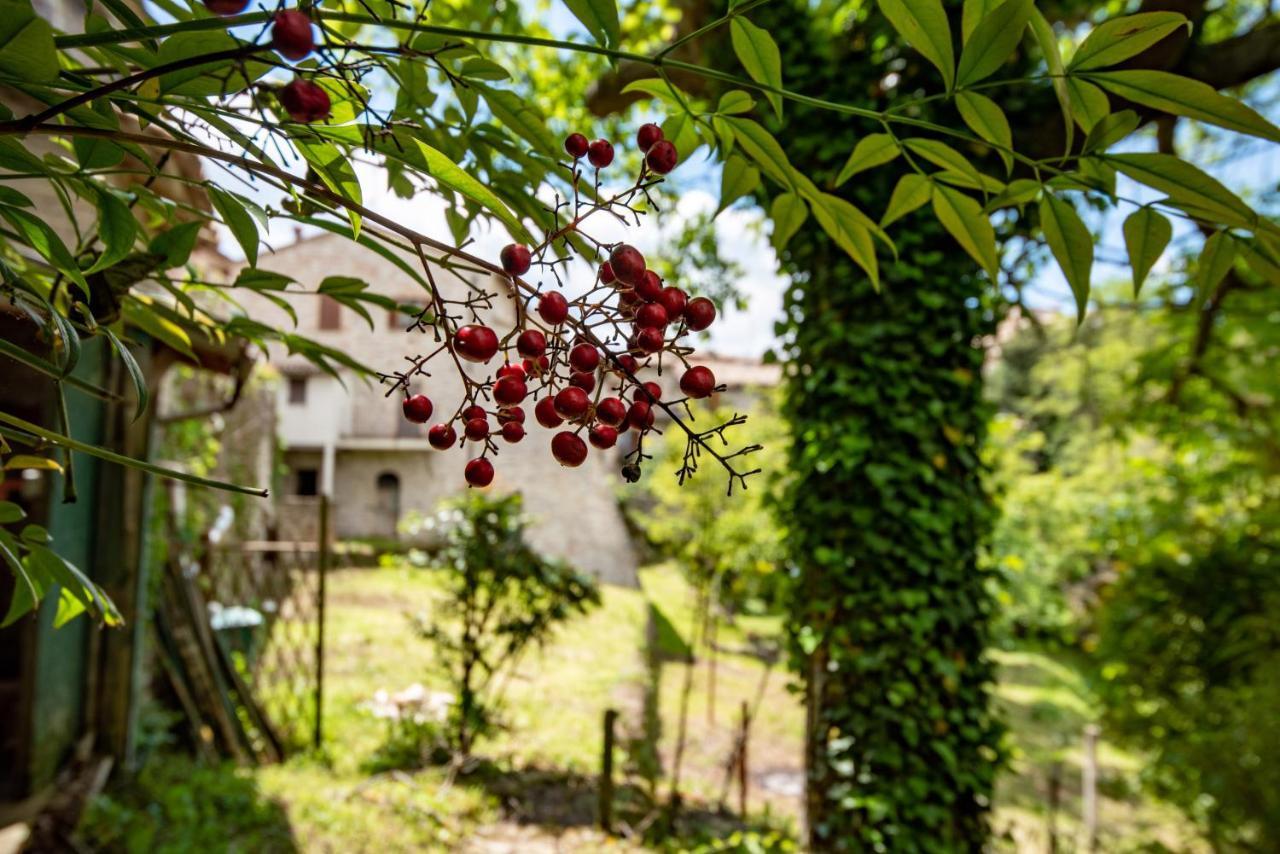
[985, 118]
[1182, 96]
[1146, 233]
[965, 220]
[133, 369]
[1216, 258]
[738, 178]
[1042, 30]
[973, 13]
[788, 213]
[758, 53]
[1118, 39]
[1089, 104]
[27, 51]
[600, 17]
[237, 218]
[924, 25]
[735, 102]
[841, 220]
[911, 192]
[117, 229]
[993, 40]
[872, 150]
[335, 172]
[1071, 244]
[1185, 184]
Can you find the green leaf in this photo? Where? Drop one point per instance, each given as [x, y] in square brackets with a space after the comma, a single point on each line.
[1110, 129]
[973, 13]
[1182, 96]
[788, 213]
[479, 68]
[237, 219]
[842, 221]
[759, 55]
[1042, 30]
[762, 148]
[965, 220]
[1118, 39]
[176, 244]
[738, 178]
[69, 607]
[679, 131]
[522, 118]
[27, 461]
[942, 155]
[335, 171]
[600, 17]
[117, 229]
[924, 25]
[1146, 233]
[663, 90]
[992, 42]
[872, 150]
[1184, 183]
[224, 77]
[1071, 244]
[10, 512]
[735, 102]
[139, 311]
[1089, 104]
[45, 241]
[985, 118]
[28, 588]
[27, 51]
[1216, 259]
[911, 192]
[131, 366]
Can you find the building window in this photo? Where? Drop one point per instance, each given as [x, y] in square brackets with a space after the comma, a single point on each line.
[297, 390]
[330, 313]
[388, 486]
[307, 481]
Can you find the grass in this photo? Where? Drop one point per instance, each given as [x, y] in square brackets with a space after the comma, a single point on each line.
[536, 791]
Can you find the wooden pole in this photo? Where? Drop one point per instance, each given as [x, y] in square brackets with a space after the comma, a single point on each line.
[322, 567]
[742, 760]
[606, 772]
[1089, 787]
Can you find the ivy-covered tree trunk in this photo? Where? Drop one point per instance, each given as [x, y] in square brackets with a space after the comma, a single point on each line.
[887, 509]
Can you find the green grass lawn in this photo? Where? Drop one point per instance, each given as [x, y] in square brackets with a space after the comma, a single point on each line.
[537, 789]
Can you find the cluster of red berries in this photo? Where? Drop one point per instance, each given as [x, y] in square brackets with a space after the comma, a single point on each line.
[577, 383]
[292, 38]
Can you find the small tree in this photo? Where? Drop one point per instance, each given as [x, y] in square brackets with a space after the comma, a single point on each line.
[501, 596]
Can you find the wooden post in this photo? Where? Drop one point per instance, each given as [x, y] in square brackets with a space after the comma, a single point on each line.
[606, 772]
[1089, 787]
[742, 760]
[322, 566]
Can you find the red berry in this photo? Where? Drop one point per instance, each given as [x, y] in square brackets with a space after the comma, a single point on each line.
[479, 472]
[509, 391]
[472, 412]
[585, 380]
[536, 367]
[442, 437]
[650, 340]
[584, 357]
[648, 392]
[699, 313]
[628, 264]
[545, 413]
[226, 7]
[568, 449]
[649, 288]
[674, 301]
[607, 276]
[512, 432]
[510, 370]
[651, 315]
[531, 344]
[640, 416]
[476, 429]
[304, 101]
[515, 259]
[600, 153]
[662, 158]
[291, 34]
[603, 436]
[572, 403]
[627, 363]
[553, 308]
[418, 408]
[576, 145]
[611, 411]
[698, 382]
[475, 343]
[628, 300]
[513, 414]
[648, 135]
